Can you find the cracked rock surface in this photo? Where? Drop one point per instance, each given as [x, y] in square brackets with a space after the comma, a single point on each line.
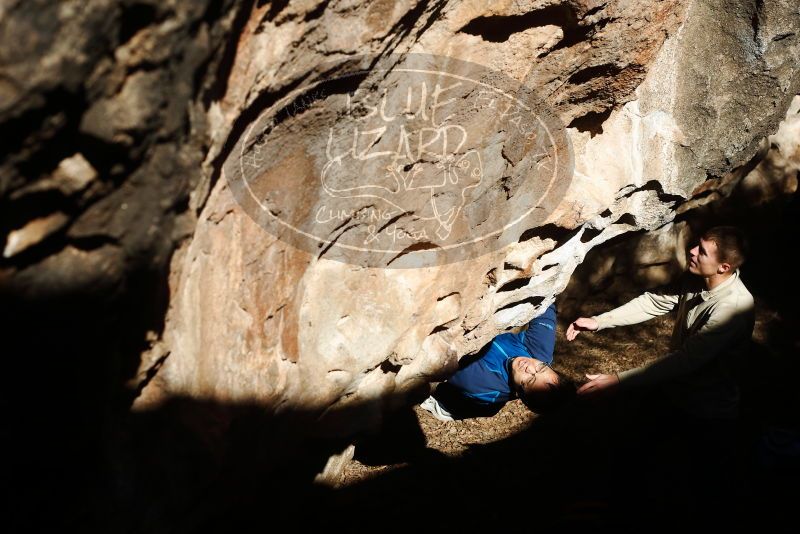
[119, 227]
[653, 106]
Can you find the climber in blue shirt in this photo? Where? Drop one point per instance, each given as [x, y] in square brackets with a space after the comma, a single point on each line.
[511, 366]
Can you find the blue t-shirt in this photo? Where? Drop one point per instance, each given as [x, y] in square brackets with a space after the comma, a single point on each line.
[486, 380]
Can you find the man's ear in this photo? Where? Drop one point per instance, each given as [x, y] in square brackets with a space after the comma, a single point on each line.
[723, 268]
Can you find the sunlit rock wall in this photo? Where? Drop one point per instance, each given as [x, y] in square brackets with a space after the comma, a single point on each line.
[658, 98]
[121, 236]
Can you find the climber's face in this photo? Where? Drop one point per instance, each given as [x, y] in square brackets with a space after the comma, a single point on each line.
[704, 261]
[532, 375]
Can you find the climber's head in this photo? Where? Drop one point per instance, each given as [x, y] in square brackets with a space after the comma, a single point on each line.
[538, 386]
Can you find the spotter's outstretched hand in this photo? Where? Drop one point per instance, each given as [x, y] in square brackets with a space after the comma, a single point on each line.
[598, 384]
[579, 325]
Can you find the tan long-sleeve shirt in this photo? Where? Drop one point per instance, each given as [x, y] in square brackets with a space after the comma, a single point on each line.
[711, 335]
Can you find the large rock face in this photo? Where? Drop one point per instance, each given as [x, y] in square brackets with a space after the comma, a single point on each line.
[655, 106]
[126, 118]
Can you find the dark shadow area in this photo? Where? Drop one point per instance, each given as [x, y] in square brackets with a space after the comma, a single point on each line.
[67, 359]
[188, 466]
[498, 28]
[399, 440]
[591, 122]
[606, 466]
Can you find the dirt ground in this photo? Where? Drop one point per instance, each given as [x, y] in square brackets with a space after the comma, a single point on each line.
[610, 351]
[420, 455]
